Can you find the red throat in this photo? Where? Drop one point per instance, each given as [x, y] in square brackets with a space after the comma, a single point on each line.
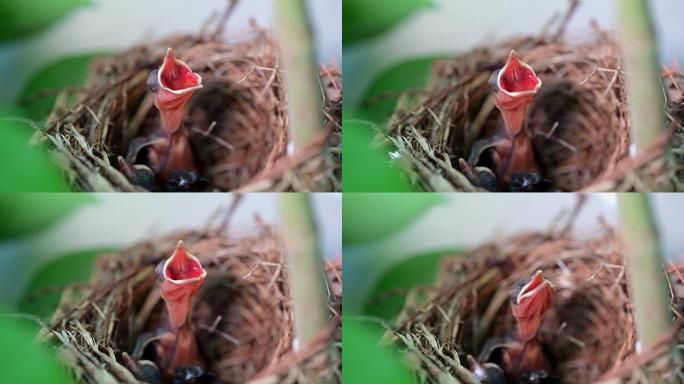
[182, 276]
[176, 75]
[174, 85]
[517, 76]
[516, 85]
[533, 300]
[182, 266]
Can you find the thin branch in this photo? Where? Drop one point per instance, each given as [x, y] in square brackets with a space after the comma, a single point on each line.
[645, 267]
[298, 53]
[643, 80]
[223, 21]
[305, 263]
[234, 204]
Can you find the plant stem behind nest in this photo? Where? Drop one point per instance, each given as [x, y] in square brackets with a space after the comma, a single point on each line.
[305, 263]
[643, 81]
[295, 38]
[644, 267]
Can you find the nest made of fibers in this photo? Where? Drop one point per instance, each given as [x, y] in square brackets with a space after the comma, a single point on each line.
[242, 314]
[589, 330]
[579, 118]
[238, 121]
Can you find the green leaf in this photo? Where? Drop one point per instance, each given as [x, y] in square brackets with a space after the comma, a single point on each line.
[26, 213]
[19, 18]
[363, 19]
[380, 99]
[43, 292]
[24, 361]
[40, 93]
[24, 168]
[389, 294]
[369, 217]
[367, 169]
[365, 361]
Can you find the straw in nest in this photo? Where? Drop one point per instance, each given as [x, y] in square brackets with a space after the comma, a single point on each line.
[242, 313]
[589, 330]
[579, 118]
[238, 121]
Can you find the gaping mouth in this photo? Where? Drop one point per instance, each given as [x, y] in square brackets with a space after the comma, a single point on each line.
[182, 267]
[173, 84]
[535, 296]
[182, 276]
[530, 304]
[176, 76]
[517, 78]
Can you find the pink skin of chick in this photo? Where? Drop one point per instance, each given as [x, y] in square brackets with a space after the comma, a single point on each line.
[533, 300]
[521, 350]
[526, 352]
[182, 275]
[173, 84]
[515, 87]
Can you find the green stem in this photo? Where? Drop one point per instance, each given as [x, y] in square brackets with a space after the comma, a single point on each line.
[643, 69]
[305, 263]
[644, 267]
[298, 54]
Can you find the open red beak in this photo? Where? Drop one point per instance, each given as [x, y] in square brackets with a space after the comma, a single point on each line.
[182, 275]
[516, 85]
[173, 84]
[530, 304]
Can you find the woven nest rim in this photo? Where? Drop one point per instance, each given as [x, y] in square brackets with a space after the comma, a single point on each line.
[250, 336]
[434, 130]
[248, 126]
[588, 272]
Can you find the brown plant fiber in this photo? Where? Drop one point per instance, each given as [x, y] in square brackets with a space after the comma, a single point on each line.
[589, 331]
[237, 122]
[242, 314]
[579, 120]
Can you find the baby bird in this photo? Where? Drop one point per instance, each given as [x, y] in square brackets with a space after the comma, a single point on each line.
[521, 351]
[514, 86]
[175, 345]
[139, 174]
[172, 84]
[528, 182]
[168, 149]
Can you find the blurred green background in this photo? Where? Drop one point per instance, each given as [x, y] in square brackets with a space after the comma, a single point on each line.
[50, 240]
[389, 47]
[395, 241]
[46, 46]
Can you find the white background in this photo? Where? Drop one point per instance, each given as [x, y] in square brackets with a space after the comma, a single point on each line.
[453, 26]
[123, 219]
[118, 24]
[467, 220]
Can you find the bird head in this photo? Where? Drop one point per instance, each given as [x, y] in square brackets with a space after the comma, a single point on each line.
[173, 84]
[515, 86]
[529, 301]
[139, 174]
[181, 276]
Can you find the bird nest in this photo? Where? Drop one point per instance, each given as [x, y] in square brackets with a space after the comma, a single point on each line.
[589, 331]
[238, 122]
[242, 314]
[579, 120]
